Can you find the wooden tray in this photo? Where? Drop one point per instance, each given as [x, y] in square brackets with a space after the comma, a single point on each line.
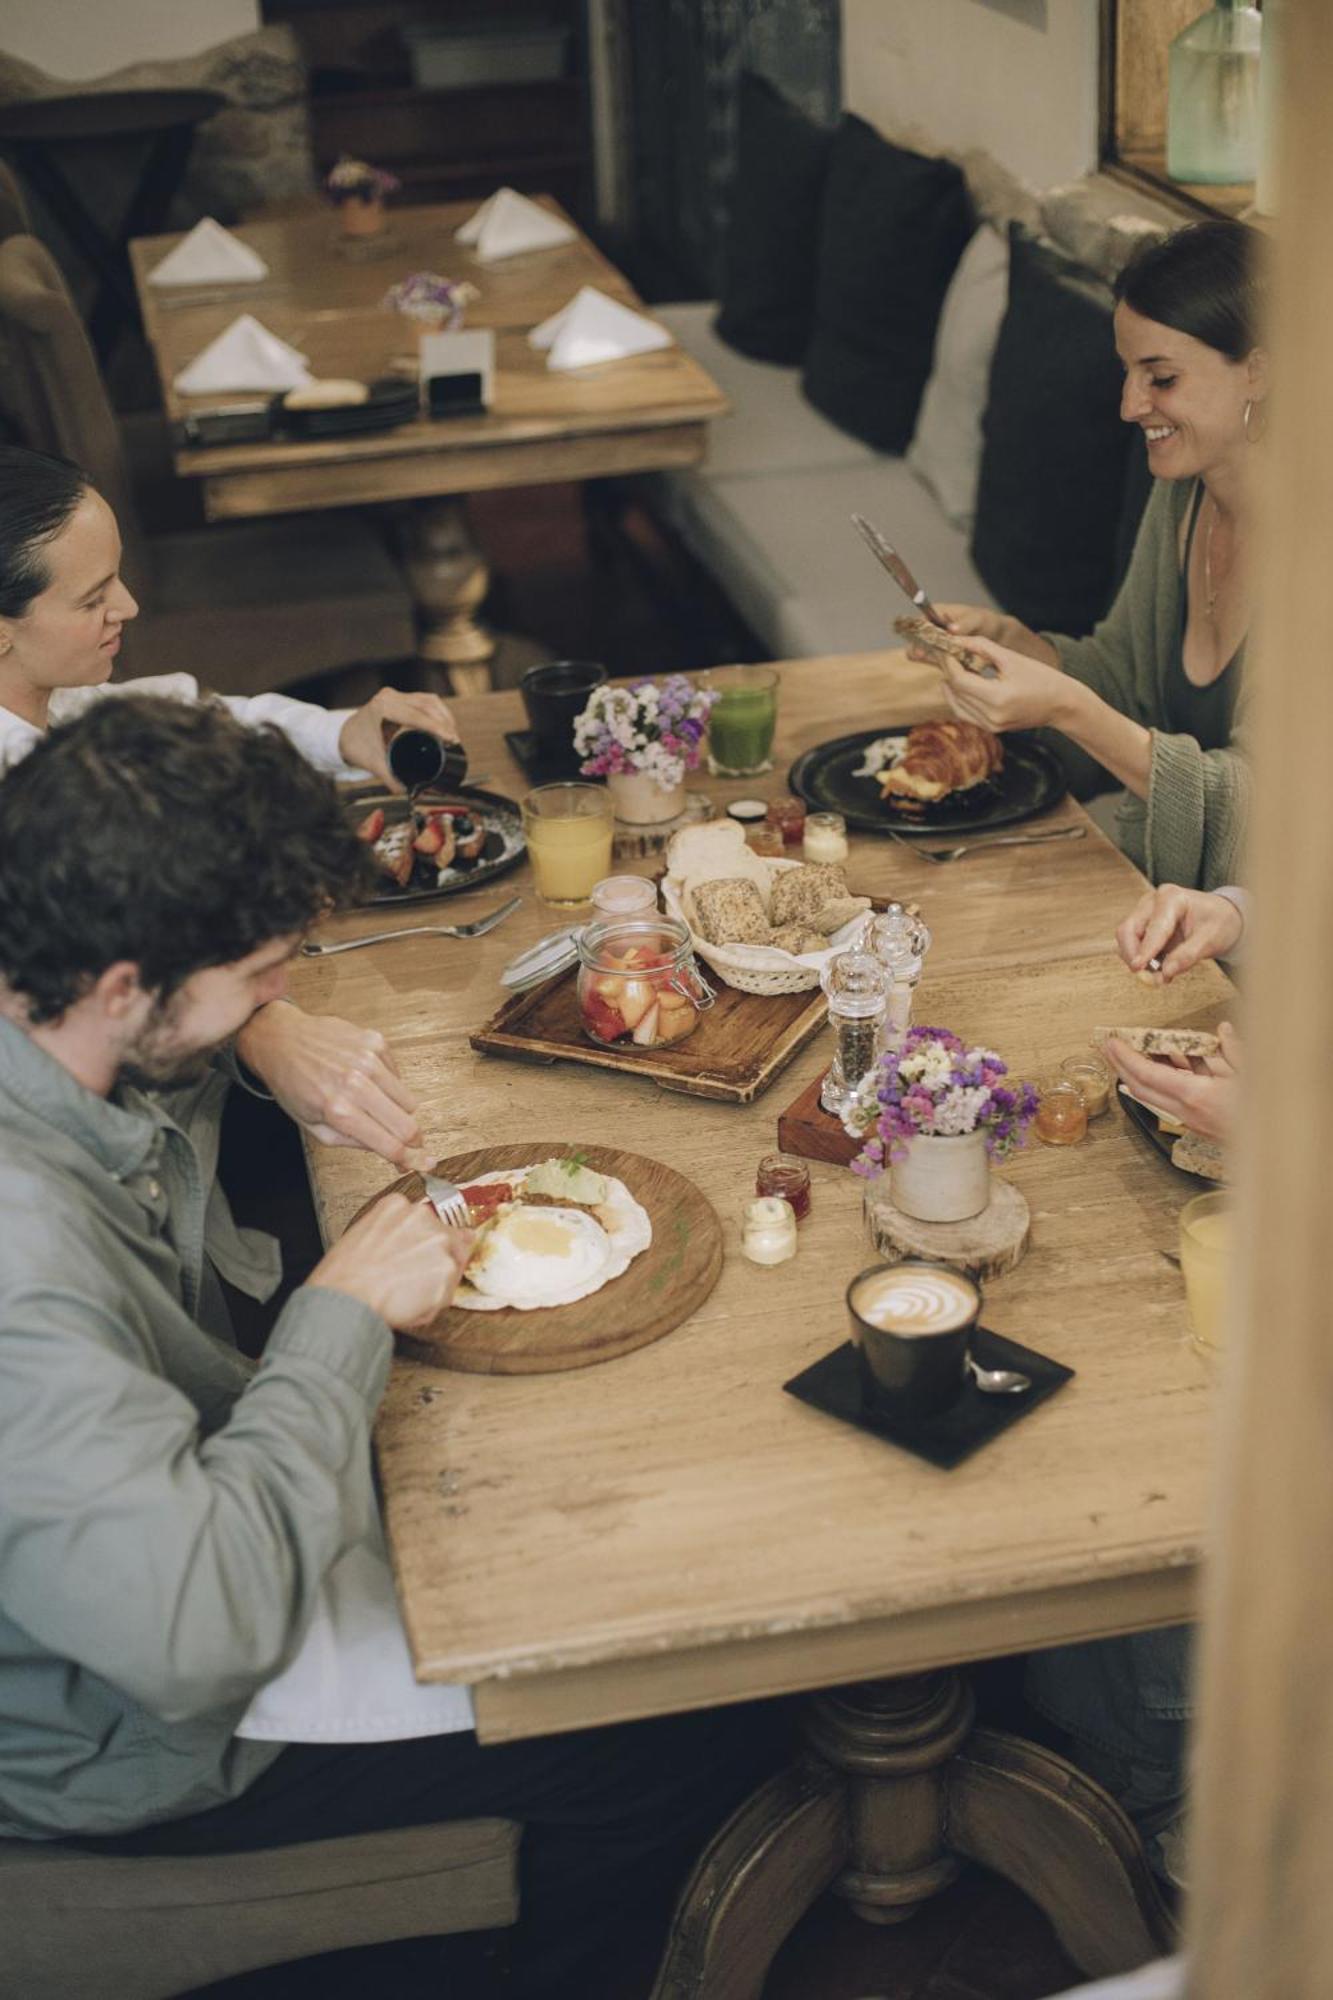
[806, 1128]
[662, 1287]
[740, 1044]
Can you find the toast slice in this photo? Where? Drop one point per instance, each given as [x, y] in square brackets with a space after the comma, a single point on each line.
[922, 632]
[1161, 1041]
[1195, 1155]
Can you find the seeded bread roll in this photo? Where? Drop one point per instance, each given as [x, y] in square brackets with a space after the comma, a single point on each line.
[730, 912]
[796, 938]
[799, 894]
[1195, 1155]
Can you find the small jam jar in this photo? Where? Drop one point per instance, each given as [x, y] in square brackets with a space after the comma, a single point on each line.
[783, 1174]
[825, 837]
[1091, 1078]
[788, 816]
[768, 1231]
[624, 896]
[1062, 1116]
[765, 840]
[638, 983]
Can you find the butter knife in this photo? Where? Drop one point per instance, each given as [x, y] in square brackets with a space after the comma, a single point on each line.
[887, 555]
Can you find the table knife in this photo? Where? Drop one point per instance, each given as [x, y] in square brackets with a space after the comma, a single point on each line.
[886, 553]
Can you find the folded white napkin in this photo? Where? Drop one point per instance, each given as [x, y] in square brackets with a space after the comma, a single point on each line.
[351, 1680]
[507, 224]
[209, 255]
[245, 355]
[594, 328]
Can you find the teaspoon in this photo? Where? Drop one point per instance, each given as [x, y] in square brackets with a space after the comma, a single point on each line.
[998, 1381]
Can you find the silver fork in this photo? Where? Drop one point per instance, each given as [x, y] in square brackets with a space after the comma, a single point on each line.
[446, 1199]
[478, 929]
[960, 852]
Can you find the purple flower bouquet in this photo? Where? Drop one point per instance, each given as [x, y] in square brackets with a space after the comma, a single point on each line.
[654, 729]
[934, 1085]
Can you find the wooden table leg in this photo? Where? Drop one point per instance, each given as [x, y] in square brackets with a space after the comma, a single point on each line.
[901, 1790]
[448, 577]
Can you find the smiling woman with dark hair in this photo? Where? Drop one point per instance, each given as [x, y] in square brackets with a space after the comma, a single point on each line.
[63, 610]
[1154, 694]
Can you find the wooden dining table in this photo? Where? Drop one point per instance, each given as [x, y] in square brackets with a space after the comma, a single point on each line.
[324, 294]
[670, 1530]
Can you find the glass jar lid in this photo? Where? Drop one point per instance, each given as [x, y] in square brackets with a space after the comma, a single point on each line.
[556, 952]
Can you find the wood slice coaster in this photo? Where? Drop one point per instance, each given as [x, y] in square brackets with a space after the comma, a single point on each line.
[985, 1245]
[662, 1287]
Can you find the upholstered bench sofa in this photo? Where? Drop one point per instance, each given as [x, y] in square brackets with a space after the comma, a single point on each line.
[1012, 480]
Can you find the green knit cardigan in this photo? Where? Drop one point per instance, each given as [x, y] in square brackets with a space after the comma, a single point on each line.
[1191, 827]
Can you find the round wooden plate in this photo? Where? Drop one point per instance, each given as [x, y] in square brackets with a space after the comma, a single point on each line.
[661, 1288]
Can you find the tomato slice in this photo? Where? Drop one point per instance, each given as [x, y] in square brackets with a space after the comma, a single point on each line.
[492, 1194]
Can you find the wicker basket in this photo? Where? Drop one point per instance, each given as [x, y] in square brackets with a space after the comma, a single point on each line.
[760, 968]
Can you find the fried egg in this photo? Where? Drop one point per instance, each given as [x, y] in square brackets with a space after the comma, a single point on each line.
[540, 1256]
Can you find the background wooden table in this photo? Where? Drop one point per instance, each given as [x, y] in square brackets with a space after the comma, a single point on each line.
[645, 413]
[671, 1529]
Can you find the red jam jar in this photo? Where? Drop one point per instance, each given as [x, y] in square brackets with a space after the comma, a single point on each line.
[783, 1174]
[788, 816]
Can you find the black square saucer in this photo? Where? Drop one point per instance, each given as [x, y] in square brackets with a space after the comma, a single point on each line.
[833, 1384]
[544, 770]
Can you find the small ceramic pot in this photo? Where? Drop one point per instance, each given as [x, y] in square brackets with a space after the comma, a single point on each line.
[942, 1179]
[361, 216]
[641, 801]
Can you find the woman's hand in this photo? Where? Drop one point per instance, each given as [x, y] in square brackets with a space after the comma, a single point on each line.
[361, 740]
[1178, 928]
[1024, 695]
[974, 621]
[335, 1079]
[1202, 1092]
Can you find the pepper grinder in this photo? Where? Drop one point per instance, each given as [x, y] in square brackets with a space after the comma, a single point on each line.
[857, 987]
[899, 941]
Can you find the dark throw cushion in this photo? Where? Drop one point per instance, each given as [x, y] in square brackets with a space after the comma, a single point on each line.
[895, 225]
[1054, 451]
[772, 246]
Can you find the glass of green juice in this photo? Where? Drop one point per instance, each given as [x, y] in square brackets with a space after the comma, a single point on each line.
[742, 720]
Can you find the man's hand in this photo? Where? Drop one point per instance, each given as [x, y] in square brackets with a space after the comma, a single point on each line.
[335, 1079]
[1202, 1092]
[975, 621]
[1179, 928]
[361, 740]
[400, 1260]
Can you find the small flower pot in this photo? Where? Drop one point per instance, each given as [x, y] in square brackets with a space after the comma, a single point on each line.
[942, 1179]
[361, 215]
[641, 801]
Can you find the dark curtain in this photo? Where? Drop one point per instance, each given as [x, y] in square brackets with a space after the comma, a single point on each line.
[685, 58]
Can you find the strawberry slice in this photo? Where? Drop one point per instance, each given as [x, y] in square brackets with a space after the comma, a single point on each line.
[430, 839]
[372, 826]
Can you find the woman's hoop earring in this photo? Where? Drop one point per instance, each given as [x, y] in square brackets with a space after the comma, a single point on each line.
[1251, 436]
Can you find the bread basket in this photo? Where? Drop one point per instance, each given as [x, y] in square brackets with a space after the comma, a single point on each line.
[760, 968]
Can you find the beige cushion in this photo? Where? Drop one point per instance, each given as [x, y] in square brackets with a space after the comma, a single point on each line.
[256, 150]
[81, 1926]
[1084, 220]
[946, 450]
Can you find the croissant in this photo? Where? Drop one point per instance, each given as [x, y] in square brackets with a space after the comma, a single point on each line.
[941, 757]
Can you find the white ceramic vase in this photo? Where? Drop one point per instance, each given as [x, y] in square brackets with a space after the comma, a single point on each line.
[942, 1179]
[641, 801]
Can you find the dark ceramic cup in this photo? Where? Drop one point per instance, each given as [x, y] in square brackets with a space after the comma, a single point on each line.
[555, 696]
[912, 1325]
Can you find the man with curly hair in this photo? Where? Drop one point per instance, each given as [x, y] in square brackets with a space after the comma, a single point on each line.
[169, 1514]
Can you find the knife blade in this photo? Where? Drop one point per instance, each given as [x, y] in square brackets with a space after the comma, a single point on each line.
[888, 556]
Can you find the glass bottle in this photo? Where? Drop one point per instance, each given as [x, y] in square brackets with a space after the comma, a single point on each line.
[900, 942]
[1212, 117]
[857, 987]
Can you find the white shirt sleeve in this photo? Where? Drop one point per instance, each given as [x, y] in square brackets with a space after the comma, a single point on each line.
[312, 730]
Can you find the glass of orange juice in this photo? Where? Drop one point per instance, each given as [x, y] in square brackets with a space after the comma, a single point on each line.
[568, 830]
[1205, 1244]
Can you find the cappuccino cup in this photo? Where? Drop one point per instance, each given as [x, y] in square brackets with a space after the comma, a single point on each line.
[912, 1325]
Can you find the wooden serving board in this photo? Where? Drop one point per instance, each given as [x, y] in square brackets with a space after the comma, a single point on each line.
[662, 1287]
[739, 1046]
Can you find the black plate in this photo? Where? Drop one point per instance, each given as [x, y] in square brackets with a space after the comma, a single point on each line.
[833, 1384]
[504, 849]
[1031, 782]
[1146, 1121]
[392, 400]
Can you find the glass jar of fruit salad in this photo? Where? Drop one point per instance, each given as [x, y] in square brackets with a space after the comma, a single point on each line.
[638, 983]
